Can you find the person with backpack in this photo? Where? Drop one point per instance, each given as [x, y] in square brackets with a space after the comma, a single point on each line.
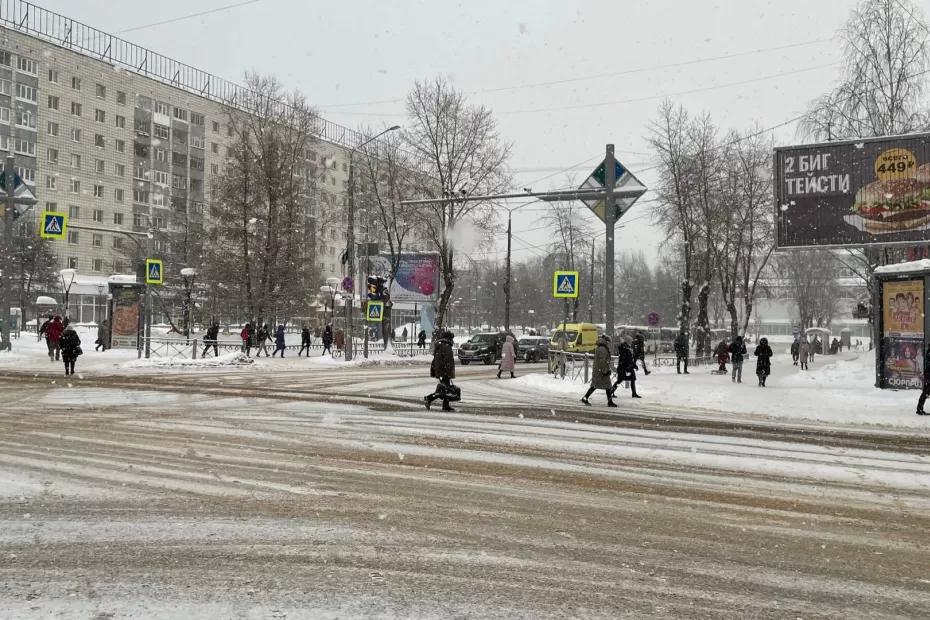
[304, 341]
[763, 354]
[421, 339]
[601, 372]
[70, 344]
[210, 340]
[247, 335]
[328, 339]
[443, 368]
[626, 369]
[737, 353]
[279, 341]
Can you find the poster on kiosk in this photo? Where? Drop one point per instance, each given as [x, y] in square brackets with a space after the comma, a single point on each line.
[902, 333]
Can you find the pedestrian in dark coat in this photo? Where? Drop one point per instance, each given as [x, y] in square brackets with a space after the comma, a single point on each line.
[264, 335]
[210, 340]
[763, 355]
[723, 356]
[103, 335]
[43, 328]
[804, 353]
[681, 351]
[601, 372]
[421, 339]
[304, 341]
[639, 350]
[53, 337]
[795, 351]
[279, 341]
[626, 369]
[926, 388]
[328, 339]
[737, 353]
[339, 339]
[442, 368]
[70, 344]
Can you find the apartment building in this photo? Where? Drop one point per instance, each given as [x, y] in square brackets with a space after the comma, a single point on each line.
[121, 138]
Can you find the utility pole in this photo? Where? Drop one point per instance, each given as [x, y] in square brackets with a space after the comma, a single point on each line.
[610, 211]
[6, 249]
[507, 280]
[591, 293]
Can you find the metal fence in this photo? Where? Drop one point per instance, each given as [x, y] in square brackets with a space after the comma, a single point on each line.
[575, 366]
[194, 348]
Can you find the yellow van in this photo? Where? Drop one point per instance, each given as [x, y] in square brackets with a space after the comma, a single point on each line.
[579, 337]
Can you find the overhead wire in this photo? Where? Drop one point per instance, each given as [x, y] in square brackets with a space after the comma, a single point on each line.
[189, 16]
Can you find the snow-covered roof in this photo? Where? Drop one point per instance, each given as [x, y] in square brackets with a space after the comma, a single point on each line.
[908, 267]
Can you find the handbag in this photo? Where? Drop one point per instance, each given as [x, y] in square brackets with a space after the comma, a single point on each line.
[79, 351]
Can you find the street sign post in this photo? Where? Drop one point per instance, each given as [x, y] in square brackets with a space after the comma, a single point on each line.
[54, 225]
[154, 271]
[375, 311]
[565, 284]
[623, 180]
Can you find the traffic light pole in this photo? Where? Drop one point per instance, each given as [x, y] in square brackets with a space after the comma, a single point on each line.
[6, 249]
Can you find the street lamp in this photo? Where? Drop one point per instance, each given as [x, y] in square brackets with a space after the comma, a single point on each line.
[188, 273]
[67, 279]
[350, 237]
[507, 280]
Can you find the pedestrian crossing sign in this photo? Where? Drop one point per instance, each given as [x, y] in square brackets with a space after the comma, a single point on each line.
[565, 284]
[54, 225]
[154, 271]
[375, 312]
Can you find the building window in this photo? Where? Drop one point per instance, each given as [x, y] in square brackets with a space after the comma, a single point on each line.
[178, 159]
[53, 102]
[75, 161]
[75, 186]
[161, 131]
[159, 154]
[161, 108]
[180, 114]
[51, 155]
[26, 92]
[138, 220]
[214, 169]
[27, 65]
[52, 128]
[197, 142]
[216, 127]
[72, 262]
[140, 195]
[117, 243]
[120, 146]
[141, 171]
[98, 191]
[51, 182]
[73, 237]
[119, 195]
[178, 181]
[98, 215]
[180, 137]
[51, 206]
[119, 170]
[6, 59]
[118, 218]
[141, 150]
[76, 83]
[121, 121]
[5, 115]
[197, 119]
[75, 108]
[196, 164]
[99, 141]
[160, 177]
[25, 147]
[159, 199]
[229, 131]
[215, 148]
[5, 86]
[196, 185]
[53, 76]
[100, 115]
[120, 97]
[97, 240]
[97, 263]
[25, 118]
[101, 91]
[75, 134]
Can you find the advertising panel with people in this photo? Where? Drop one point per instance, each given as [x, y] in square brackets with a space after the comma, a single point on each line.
[857, 192]
[902, 333]
[126, 313]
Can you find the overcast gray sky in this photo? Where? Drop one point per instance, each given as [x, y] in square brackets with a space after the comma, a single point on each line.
[357, 60]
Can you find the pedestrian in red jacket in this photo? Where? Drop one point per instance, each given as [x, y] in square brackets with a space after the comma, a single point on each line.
[53, 338]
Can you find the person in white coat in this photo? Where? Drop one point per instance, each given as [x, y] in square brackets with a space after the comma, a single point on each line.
[508, 358]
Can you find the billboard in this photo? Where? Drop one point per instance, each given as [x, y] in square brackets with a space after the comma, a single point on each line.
[902, 333]
[125, 315]
[416, 279]
[853, 193]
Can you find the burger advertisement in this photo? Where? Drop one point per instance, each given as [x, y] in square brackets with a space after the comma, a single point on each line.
[857, 192]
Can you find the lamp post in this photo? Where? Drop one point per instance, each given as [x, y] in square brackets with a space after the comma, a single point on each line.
[350, 236]
[67, 279]
[188, 273]
[507, 279]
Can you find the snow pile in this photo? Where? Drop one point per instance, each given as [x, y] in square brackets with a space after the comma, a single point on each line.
[361, 362]
[230, 359]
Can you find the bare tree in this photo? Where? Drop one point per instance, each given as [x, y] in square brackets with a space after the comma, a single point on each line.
[810, 278]
[573, 238]
[460, 153]
[33, 266]
[887, 56]
[261, 201]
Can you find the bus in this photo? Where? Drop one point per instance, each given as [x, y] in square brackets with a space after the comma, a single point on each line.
[659, 340]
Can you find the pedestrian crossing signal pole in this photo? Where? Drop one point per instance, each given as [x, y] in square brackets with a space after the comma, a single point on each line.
[610, 210]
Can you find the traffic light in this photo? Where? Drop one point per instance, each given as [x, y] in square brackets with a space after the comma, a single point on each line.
[377, 291]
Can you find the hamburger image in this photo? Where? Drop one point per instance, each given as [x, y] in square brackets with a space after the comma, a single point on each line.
[895, 204]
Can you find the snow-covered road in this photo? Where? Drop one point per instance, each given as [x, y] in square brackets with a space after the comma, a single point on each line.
[279, 494]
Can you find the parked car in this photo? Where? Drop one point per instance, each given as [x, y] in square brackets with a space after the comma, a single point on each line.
[533, 348]
[484, 347]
